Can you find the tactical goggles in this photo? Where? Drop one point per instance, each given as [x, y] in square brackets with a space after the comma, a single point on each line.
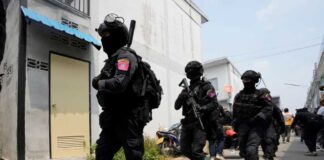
[246, 80]
[109, 19]
[112, 17]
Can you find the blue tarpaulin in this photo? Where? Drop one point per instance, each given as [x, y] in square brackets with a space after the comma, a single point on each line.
[30, 14]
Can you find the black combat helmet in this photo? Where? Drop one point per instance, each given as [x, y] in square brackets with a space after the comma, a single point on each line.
[113, 32]
[250, 74]
[301, 110]
[194, 69]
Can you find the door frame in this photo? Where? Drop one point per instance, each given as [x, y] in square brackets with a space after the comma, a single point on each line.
[49, 96]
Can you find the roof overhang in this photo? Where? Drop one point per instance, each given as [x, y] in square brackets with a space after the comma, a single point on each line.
[32, 15]
[215, 62]
[219, 61]
[204, 18]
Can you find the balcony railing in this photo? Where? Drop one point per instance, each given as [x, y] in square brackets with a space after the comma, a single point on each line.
[79, 6]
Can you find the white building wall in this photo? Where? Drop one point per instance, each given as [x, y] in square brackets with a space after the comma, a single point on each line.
[236, 82]
[220, 72]
[54, 12]
[39, 45]
[226, 74]
[314, 94]
[166, 37]
[9, 92]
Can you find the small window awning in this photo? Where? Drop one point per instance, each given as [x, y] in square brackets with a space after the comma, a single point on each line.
[30, 14]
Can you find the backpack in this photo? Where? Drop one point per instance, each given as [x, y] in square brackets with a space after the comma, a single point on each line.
[150, 88]
[315, 120]
[146, 87]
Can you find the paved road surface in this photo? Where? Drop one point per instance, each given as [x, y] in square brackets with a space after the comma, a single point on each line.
[288, 151]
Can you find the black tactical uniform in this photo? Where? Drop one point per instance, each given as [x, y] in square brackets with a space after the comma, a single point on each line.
[193, 138]
[270, 142]
[251, 114]
[227, 118]
[213, 122]
[215, 131]
[311, 125]
[279, 124]
[120, 127]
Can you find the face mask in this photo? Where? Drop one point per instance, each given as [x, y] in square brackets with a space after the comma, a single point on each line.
[249, 85]
[107, 44]
[193, 75]
[112, 43]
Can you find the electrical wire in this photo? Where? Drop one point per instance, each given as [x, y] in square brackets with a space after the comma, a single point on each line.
[272, 48]
[280, 53]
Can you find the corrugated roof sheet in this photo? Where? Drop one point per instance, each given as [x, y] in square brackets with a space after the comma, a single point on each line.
[30, 14]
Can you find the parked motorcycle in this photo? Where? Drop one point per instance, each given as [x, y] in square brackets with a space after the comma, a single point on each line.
[168, 141]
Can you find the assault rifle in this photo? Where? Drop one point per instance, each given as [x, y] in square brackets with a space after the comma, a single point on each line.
[146, 112]
[129, 43]
[131, 33]
[191, 101]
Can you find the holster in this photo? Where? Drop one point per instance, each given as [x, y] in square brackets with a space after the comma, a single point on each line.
[143, 112]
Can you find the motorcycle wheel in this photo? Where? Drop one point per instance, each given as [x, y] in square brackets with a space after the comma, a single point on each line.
[166, 149]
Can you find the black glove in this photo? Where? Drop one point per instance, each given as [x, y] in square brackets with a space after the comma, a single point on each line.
[183, 95]
[257, 119]
[95, 82]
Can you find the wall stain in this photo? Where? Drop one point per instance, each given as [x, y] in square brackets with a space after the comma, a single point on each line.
[6, 76]
[147, 24]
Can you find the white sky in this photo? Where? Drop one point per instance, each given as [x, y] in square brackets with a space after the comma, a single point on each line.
[281, 39]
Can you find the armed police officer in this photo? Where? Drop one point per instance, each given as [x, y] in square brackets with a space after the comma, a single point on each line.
[270, 141]
[310, 124]
[200, 94]
[251, 113]
[120, 127]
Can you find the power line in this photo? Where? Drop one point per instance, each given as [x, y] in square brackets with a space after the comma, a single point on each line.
[280, 53]
[272, 48]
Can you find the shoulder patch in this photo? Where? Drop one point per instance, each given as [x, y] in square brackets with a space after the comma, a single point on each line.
[211, 93]
[123, 64]
[268, 97]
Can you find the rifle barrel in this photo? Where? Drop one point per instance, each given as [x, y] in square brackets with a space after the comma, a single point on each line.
[131, 33]
[192, 101]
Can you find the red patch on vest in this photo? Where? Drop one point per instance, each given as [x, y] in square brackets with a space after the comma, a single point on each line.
[268, 97]
[123, 64]
[211, 93]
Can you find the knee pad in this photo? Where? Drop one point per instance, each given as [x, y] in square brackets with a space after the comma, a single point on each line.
[268, 141]
[251, 151]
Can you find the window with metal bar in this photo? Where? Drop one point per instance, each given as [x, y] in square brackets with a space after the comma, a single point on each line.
[81, 6]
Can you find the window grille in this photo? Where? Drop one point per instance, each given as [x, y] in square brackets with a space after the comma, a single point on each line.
[80, 6]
